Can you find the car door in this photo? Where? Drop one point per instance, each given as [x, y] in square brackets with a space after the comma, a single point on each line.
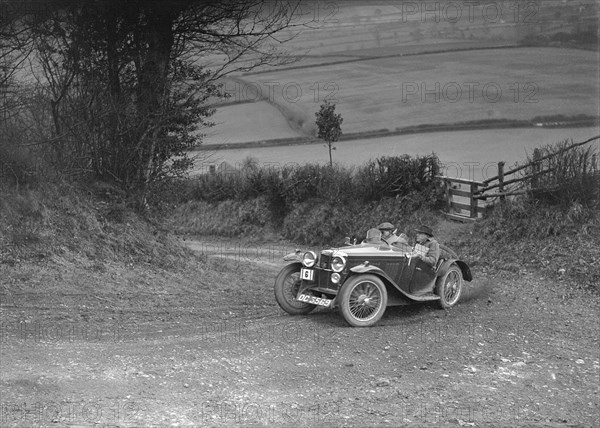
[423, 277]
[403, 277]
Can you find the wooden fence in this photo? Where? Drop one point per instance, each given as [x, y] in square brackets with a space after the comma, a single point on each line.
[468, 199]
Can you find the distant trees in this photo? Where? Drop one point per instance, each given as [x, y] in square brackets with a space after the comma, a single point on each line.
[126, 85]
[329, 126]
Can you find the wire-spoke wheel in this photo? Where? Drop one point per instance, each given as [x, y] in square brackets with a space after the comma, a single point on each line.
[449, 287]
[287, 285]
[363, 300]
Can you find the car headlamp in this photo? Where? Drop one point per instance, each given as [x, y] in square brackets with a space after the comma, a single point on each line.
[338, 263]
[309, 259]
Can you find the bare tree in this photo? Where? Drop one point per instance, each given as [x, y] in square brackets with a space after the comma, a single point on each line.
[127, 82]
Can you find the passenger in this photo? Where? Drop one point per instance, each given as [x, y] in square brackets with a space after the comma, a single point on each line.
[388, 234]
[427, 248]
[373, 237]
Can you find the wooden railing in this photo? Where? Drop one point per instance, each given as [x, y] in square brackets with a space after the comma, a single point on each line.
[468, 199]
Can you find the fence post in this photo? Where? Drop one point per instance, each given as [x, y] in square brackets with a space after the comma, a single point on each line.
[596, 174]
[501, 180]
[447, 186]
[474, 202]
[536, 168]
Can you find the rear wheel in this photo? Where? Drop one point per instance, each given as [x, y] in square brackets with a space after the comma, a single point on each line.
[363, 300]
[449, 287]
[287, 285]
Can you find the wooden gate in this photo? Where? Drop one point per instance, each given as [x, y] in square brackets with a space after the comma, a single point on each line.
[461, 200]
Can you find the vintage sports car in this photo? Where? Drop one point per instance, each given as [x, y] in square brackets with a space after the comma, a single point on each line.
[362, 280]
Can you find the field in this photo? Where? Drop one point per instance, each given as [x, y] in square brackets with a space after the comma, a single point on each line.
[463, 148]
[396, 92]
[234, 122]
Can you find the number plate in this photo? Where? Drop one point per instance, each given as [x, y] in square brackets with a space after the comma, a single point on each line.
[307, 274]
[313, 300]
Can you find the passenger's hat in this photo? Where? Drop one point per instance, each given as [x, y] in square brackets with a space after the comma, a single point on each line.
[386, 226]
[373, 236]
[424, 229]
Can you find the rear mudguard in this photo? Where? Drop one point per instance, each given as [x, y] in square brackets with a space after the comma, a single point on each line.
[466, 271]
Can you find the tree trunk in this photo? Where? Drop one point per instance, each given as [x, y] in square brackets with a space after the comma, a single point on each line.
[157, 34]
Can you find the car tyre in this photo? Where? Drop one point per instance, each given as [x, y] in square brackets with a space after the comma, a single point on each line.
[363, 300]
[287, 285]
[449, 287]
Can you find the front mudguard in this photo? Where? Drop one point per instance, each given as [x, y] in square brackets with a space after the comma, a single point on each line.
[296, 256]
[367, 268]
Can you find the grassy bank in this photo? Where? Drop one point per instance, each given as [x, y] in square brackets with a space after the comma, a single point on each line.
[92, 224]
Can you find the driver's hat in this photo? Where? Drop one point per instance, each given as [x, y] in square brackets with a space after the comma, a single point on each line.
[424, 229]
[386, 226]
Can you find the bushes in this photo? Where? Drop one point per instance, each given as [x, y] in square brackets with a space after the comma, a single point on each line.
[397, 176]
[311, 203]
[381, 178]
[565, 177]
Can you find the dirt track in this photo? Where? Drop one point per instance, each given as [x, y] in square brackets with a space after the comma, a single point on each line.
[517, 351]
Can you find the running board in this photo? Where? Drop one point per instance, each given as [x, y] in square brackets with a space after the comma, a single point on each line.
[425, 297]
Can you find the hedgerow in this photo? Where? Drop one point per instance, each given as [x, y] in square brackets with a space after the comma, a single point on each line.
[284, 187]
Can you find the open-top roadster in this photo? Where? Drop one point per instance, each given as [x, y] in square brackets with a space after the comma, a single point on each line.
[362, 280]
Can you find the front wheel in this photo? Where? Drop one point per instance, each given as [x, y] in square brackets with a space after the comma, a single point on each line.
[449, 287]
[363, 300]
[287, 285]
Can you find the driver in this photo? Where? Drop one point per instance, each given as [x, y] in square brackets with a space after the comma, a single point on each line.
[427, 248]
[388, 234]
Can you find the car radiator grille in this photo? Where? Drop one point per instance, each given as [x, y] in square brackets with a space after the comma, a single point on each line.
[324, 261]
